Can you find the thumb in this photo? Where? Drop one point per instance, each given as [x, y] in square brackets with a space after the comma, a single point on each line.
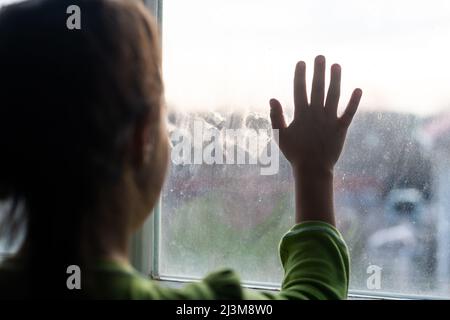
[276, 115]
[352, 107]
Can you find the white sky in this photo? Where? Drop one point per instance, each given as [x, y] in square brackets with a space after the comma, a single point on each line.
[240, 53]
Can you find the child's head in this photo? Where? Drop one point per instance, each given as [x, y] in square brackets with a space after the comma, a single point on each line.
[82, 134]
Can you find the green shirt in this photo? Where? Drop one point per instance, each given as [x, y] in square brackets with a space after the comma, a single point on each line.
[314, 256]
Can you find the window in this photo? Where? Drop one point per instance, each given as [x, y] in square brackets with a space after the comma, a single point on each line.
[223, 61]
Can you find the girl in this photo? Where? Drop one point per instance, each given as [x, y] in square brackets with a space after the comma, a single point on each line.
[85, 150]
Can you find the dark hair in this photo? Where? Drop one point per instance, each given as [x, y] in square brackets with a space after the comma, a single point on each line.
[68, 101]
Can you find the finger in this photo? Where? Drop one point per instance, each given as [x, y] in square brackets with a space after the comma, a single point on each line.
[318, 85]
[352, 107]
[334, 91]
[300, 95]
[276, 115]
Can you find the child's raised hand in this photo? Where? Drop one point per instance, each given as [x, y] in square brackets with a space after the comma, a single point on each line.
[314, 140]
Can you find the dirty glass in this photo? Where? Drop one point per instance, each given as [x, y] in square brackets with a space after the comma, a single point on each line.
[224, 60]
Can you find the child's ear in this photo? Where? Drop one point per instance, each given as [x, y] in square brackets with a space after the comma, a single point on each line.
[143, 142]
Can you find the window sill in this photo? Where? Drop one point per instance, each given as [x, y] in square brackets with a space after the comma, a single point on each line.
[179, 282]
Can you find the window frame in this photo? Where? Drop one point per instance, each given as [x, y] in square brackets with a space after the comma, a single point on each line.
[145, 250]
[145, 245]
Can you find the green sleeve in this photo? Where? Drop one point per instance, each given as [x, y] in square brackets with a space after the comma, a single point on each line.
[315, 261]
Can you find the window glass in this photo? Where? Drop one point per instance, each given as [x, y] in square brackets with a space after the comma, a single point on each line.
[224, 60]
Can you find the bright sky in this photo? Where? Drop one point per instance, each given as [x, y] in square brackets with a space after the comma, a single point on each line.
[240, 53]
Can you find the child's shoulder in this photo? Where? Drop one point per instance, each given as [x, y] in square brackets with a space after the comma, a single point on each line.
[221, 284]
[120, 282]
